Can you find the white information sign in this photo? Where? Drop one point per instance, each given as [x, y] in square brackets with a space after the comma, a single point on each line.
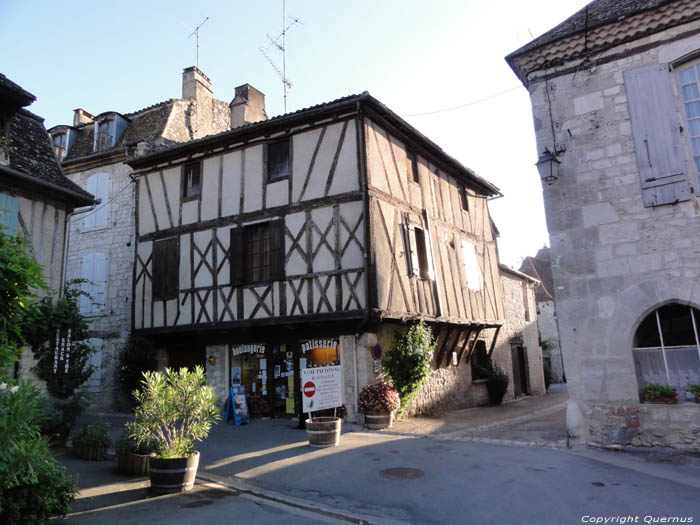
[321, 388]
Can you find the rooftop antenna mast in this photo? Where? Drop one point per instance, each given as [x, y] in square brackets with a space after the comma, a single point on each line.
[286, 83]
[195, 32]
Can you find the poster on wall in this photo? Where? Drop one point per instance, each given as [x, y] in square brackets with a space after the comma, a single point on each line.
[321, 388]
[237, 406]
[236, 375]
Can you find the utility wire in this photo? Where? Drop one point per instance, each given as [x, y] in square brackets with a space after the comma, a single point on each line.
[102, 204]
[464, 105]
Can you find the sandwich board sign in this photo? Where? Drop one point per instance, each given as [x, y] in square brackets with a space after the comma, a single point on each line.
[321, 388]
[236, 406]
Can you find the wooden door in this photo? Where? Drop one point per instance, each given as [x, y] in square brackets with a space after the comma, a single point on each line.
[520, 375]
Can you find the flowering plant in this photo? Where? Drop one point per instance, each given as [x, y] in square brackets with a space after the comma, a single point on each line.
[381, 397]
[257, 405]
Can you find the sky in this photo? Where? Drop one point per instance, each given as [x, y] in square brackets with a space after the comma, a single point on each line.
[415, 56]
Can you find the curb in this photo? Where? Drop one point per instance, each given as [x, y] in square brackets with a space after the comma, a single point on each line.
[280, 499]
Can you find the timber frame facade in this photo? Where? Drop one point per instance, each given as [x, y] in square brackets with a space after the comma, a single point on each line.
[337, 221]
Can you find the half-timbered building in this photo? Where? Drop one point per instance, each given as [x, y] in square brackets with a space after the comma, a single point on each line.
[312, 238]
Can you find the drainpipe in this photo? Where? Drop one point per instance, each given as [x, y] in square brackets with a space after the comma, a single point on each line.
[66, 238]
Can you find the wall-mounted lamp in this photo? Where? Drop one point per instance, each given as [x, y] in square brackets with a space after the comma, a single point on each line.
[212, 360]
[548, 166]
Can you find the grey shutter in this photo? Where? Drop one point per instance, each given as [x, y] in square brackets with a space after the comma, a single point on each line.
[277, 250]
[166, 268]
[9, 210]
[158, 279]
[656, 135]
[236, 256]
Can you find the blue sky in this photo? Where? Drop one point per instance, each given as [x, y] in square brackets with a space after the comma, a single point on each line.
[414, 56]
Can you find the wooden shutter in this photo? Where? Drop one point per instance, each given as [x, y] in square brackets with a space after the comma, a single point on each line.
[102, 192]
[277, 250]
[86, 273]
[99, 281]
[166, 268]
[9, 210]
[89, 219]
[236, 256]
[656, 135]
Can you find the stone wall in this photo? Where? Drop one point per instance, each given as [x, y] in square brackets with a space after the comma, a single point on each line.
[217, 370]
[549, 336]
[614, 260]
[116, 241]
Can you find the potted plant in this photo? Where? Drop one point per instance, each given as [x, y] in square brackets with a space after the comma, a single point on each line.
[379, 402]
[92, 441]
[694, 388]
[132, 455]
[173, 410]
[656, 393]
[257, 405]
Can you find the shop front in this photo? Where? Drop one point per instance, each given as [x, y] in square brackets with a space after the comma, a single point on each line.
[272, 371]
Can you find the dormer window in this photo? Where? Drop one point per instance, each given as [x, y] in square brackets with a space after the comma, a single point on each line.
[59, 142]
[104, 138]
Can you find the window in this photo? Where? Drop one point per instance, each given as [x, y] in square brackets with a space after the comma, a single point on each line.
[666, 347]
[463, 197]
[103, 138]
[9, 210]
[471, 266]
[479, 359]
[191, 180]
[166, 269]
[278, 162]
[419, 245]
[59, 145]
[98, 185]
[412, 165]
[93, 269]
[689, 78]
[257, 253]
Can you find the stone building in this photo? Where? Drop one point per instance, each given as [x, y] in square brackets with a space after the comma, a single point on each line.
[540, 267]
[615, 97]
[311, 239]
[93, 151]
[36, 199]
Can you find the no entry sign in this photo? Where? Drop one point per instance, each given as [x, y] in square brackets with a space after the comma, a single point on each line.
[321, 388]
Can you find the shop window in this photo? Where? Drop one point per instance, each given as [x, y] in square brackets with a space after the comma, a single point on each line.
[412, 165]
[191, 180]
[166, 269]
[320, 352]
[479, 360]
[278, 160]
[666, 347]
[257, 253]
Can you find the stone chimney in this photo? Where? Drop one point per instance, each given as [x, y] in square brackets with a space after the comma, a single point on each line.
[80, 116]
[196, 87]
[247, 106]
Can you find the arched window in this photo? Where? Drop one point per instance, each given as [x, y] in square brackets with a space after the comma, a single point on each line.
[667, 347]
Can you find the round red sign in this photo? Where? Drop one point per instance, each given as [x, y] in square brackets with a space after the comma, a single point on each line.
[309, 389]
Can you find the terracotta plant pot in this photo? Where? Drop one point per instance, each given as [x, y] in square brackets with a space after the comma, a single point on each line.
[377, 420]
[132, 463]
[170, 475]
[91, 452]
[661, 400]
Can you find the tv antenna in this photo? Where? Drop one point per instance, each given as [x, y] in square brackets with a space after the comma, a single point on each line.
[195, 33]
[280, 43]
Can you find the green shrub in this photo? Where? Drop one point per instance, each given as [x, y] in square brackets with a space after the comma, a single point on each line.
[407, 362]
[33, 487]
[94, 434]
[129, 442]
[654, 390]
[174, 409]
[57, 416]
[138, 357]
[497, 384]
[693, 388]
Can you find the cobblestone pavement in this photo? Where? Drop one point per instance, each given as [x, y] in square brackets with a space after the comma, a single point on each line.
[527, 421]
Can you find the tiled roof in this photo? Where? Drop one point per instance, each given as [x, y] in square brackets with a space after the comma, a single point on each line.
[597, 13]
[31, 154]
[540, 268]
[11, 92]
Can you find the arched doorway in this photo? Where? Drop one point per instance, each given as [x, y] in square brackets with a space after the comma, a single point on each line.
[666, 347]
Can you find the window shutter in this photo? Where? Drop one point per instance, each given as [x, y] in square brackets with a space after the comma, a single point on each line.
[89, 219]
[429, 255]
[102, 192]
[236, 256]
[172, 262]
[9, 210]
[94, 382]
[414, 261]
[99, 282]
[471, 266]
[656, 135]
[277, 250]
[86, 273]
[158, 270]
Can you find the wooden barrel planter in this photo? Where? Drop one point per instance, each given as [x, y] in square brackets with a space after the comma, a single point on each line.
[323, 431]
[170, 475]
[131, 463]
[375, 420]
[91, 452]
